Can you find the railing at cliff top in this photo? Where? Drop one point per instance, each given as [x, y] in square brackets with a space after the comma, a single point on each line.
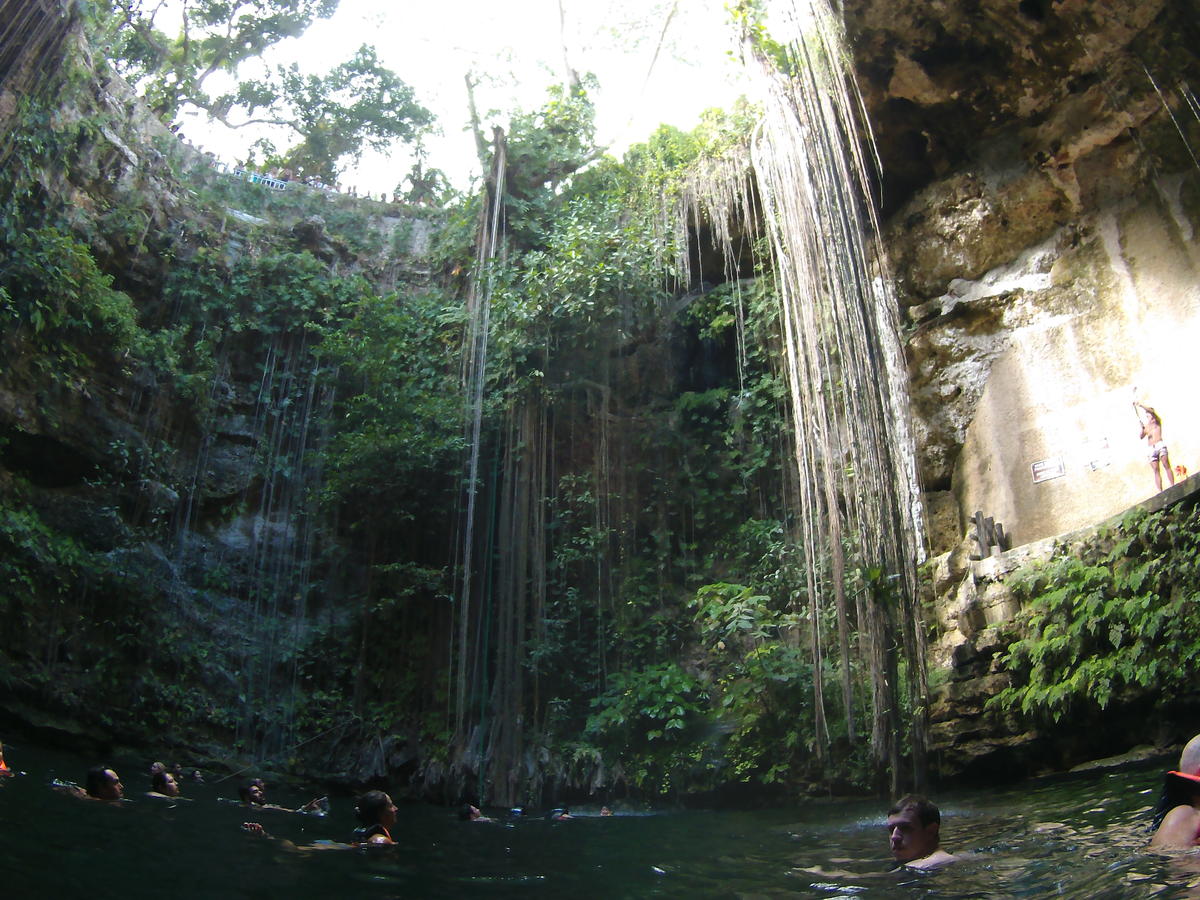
[278, 184]
[257, 178]
[270, 181]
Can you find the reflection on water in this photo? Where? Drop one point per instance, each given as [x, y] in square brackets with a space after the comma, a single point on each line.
[1078, 837]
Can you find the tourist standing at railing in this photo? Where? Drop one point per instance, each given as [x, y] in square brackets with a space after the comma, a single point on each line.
[1152, 432]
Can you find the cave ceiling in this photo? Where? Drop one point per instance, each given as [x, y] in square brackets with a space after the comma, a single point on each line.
[939, 79]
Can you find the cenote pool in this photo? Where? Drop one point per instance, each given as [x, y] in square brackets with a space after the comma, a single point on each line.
[1078, 836]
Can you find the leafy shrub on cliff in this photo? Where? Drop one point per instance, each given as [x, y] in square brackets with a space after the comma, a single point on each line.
[653, 720]
[1115, 621]
[51, 288]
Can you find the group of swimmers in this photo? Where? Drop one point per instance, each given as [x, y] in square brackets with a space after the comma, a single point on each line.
[913, 822]
[374, 809]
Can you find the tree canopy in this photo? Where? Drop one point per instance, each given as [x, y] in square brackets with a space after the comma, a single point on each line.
[359, 103]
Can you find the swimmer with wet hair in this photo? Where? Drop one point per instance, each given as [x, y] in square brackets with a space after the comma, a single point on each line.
[1177, 819]
[375, 811]
[470, 813]
[101, 783]
[104, 784]
[163, 785]
[254, 793]
[914, 834]
[914, 826]
[5, 771]
[377, 814]
[251, 793]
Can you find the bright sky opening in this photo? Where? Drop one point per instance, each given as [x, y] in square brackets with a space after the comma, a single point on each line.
[657, 61]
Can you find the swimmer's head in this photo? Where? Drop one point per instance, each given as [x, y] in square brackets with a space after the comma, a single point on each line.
[164, 783]
[1189, 759]
[913, 826]
[104, 784]
[252, 792]
[468, 813]
[375, 808]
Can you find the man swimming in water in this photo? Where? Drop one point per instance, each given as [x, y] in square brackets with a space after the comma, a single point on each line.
[1179, 827]
[914, 835]
[914, 825]
[102, 783]
[254, 794]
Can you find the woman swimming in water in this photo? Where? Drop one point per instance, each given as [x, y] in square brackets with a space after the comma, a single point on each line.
[164, 786]
[377, 813]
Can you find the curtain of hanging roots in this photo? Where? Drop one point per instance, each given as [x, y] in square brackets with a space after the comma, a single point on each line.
[843, 358]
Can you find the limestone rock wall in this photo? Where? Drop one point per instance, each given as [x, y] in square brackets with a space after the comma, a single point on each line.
[1042, 190]
[185, 483]
[974, 621]
[1047, 256]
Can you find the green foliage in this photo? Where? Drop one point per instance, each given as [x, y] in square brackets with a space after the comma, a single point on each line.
[764, 682]
[359, 104]
[750, 16]
[51, 287]
[216, 36]
[398, 435]
[767, 703]
[33, 557]
[1113, 622]
[559, 308]
[654, 172]
[73, 622]
[735, 614]
[544, 148]
[271, 292]
[651, 721]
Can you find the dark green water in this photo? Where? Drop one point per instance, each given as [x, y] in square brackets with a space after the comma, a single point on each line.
[1078, 837]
